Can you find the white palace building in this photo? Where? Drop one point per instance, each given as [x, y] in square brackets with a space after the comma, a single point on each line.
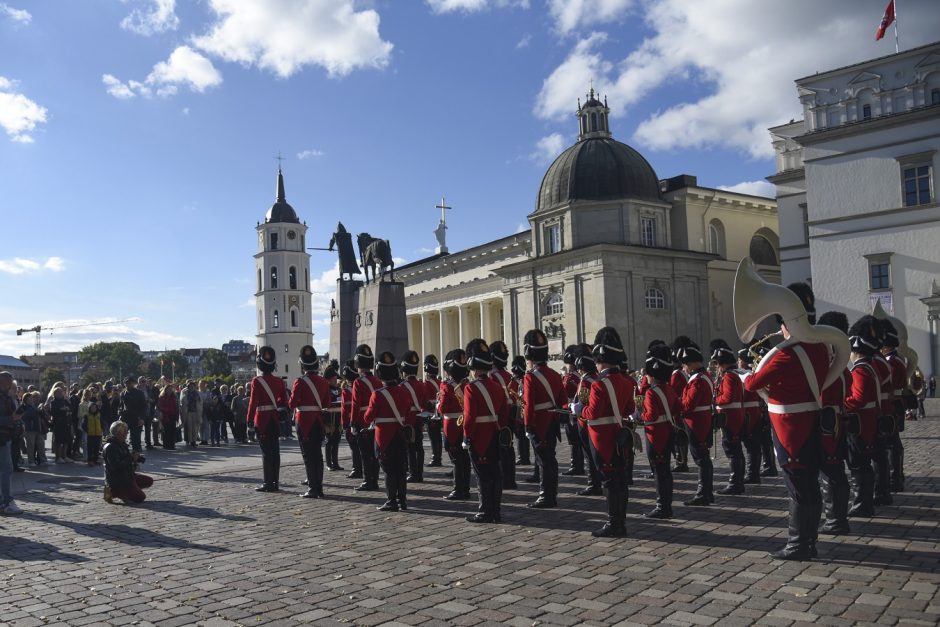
[609, 243]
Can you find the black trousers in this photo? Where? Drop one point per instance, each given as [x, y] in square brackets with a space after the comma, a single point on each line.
[353, 443]
[436, 438]
[522, 442]
[732, 445]
[547, 462]
[835, 486]
[331, 446]
[896, 460]
[489, 479]
[614, 482]
[574, 442]
[416, 454]
[662, 471]
[802, 481]
[394, 461]
[507, 465]
[147, 426]
[860, 466]
[312, 453]
[461, 461]
[271, 453]
[594, 476]
[751, 440]
[879, 460]
[135, 430]
[701, 455]
[370, 465]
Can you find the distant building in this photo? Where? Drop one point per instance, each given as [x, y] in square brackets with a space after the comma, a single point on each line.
[24, 373]
[233, 348]
[243, 367]
[66, 361]
[857, 191]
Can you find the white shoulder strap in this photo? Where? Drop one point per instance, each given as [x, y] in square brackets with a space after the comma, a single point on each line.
[267, 388]
[548, 388]
[392, 405]
[486, 396]
[313, 389]
[807, 370]
[414, 397]
[614, 405]
[662, 399]
[368, 383]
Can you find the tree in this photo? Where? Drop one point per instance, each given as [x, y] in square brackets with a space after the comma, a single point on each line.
[216, 363]
[49, 377]
[174, 365]
[117, 359]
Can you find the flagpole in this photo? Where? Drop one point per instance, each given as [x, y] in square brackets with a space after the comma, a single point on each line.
[897, 48]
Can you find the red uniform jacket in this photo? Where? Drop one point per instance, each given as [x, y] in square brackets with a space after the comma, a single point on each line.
[449, 407]
[308, 410]
[883, 368]
[260, 407]
[863, 400]
[696, 405]
[432, 388]
[380, 412]
[570, 382]
[346, 400]
[539, 401]
[657, 422]
[729, 400]
[480, 421]
[898, 373]
[677, 381]
[419, 396]
[834, 397]
[362, 390]
[790, 400]
[603, 424]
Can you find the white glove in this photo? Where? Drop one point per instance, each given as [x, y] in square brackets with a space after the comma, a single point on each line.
[577, 408]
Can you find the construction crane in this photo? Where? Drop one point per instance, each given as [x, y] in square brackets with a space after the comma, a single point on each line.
[38, 329]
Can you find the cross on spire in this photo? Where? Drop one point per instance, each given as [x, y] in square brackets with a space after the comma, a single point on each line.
[443, 207]
[279, 160]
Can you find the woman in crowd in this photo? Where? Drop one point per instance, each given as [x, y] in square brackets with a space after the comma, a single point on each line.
[32, 428]
[92, 425]
[169, 414]
[61, 424]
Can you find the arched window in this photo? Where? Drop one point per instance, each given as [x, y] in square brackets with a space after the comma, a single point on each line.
[762, 251]
[259, 280]
[716, 238]
[866, 112]
[655, 299]
[292, 277]
[593, 121]
[555, 305]
[277, 319]
[273, 241]
[273, 277]
[293, 317]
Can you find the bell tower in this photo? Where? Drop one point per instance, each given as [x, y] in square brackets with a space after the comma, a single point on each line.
[282, 269]
[592, 117]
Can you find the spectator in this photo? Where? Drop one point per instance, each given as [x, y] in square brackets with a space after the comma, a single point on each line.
[122, 480]
[933, 385]
[75, 443]
[213, 410]
[61, 425]
[169, 414]
[239, 407]
[92, 426]
[32, 428]
[133, 411]
[150, 396]
[204, 425]
[9, 416]
[228, 418]
[191, 412]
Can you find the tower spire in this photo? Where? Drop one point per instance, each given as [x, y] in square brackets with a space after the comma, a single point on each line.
[280, 186]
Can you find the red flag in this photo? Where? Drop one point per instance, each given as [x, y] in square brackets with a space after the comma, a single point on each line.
[886, 21]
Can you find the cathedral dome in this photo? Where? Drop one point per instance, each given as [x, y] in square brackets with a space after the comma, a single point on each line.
[280, 211]
[598, 167]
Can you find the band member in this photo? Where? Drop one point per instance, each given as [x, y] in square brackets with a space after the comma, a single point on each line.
[507, 456]
[661, 408]
[418, 391]
[334, 429]
[587, 369]
[835, 484]
[753, 420]
[432, 385]
[886, 420]
[899, 384]
[517, 370]
[863, 401]
[392, 415]
[570, 380]
[309, 397]
[485, 422]
[677, 382]
[697, 407]
[267, 400]
[542, 392]
[792, 376]
[362, 389]
[450, 410]
[729, 402]
[350, 374]
[609, 405]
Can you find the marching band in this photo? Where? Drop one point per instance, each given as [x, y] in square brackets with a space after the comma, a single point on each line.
[824, 398]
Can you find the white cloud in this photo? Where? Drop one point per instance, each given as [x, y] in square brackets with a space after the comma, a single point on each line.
[569, 15]
[309, 153]
[471, 6]
[524, 42]
[185, 67]
[60, 338]
[18, 114]
[285, 35]
[20, 16]
[754, 188]
[747, 54]
[547, 148]
[20, 265]
[159, 17]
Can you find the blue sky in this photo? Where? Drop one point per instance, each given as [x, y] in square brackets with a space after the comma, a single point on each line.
[138, 137]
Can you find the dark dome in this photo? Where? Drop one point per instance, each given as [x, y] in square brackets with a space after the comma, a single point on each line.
[281, 212]
[598, 168]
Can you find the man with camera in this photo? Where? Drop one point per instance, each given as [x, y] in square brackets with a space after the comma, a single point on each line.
[122, 481]
[9, 417]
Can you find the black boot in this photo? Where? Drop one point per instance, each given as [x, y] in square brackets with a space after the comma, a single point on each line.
[769, 459]
[835, 492]
[798, 547]
[663, 507]
[736, 479]
[507, 463]
[863, 506]
[536, 476]
[615, 527]
[897, 467]
[752, 474]
[391, 493]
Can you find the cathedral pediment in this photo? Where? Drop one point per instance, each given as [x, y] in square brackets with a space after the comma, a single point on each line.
[865, 77]
[930, 62]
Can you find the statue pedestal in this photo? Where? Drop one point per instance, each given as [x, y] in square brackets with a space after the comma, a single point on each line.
[372, 314]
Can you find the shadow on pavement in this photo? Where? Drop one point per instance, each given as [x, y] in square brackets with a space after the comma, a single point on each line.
[25, 550]
[135, 536]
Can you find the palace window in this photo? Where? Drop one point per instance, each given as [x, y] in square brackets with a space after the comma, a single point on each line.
[259, 279]
[762, 251]
[273, 277]
[555, 305]
[866, 112]
[593, 122]
[916, 184]
[648, 231]
[552, 239]
[277, 319]
[655, 299]
[934, 96]
[879, 273]
[307, 278]
[716, 238]
[273, 241]
[292, 277]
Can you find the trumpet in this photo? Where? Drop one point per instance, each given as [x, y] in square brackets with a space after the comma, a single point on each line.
[752, 349]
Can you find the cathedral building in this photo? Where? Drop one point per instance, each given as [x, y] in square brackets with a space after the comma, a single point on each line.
[609, 243]
[282, 264]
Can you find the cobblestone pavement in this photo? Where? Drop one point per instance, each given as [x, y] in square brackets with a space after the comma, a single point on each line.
[207, 549]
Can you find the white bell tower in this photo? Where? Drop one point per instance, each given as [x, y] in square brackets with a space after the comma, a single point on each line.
[282, 269]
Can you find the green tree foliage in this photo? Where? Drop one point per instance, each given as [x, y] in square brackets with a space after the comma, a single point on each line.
[49, 377]
[216, 364]
[116, 359]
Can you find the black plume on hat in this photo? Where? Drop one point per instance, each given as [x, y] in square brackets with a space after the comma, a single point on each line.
[659, 362]
[585, 359]
[409, 362]
[500, 353]
[455, 364]
[479, 356]
[655, 343]
[889, 334]
[518, 366]
[571, 353]
[608, 348]
[431, 365]
[349, 370]
[721, 352]
[267, 359]
[387, 368]
[836, 320]
[308, 358]
[863, 336]
[535, 346]
[681, 341]
[332, 370]
[364, 358]
[805, 292]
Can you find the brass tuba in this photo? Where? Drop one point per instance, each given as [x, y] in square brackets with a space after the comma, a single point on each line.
[755, 300]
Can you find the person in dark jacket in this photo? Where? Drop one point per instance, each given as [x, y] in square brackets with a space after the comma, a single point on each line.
[122, 481]
[133, 410]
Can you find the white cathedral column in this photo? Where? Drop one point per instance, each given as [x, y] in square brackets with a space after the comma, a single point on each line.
[462, 326]
[485, 322]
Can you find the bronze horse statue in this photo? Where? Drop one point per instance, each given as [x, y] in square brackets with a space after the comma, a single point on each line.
[374, 252]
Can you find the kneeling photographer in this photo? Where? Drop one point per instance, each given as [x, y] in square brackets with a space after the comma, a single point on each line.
[122, 480]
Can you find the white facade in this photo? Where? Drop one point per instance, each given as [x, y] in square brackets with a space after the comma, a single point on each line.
[282, 275]
[857, 191]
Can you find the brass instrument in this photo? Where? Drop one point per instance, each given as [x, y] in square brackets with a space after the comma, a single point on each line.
[752, 349]
[584, 394]
[460, 420]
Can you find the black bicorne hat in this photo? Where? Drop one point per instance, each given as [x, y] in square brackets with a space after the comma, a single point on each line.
[535, 346]
[364, 358]
[410, 362]
[479, 356]
[889, 334]
[349, 370]
[518, 366]
[805, 292]
[571, 354]
[721, 352]
[659, 362]
[387, 368]
[332, 370]
[689, 355]
[608, 348]
[836, 320]
[308, 358]
[681, 341]
[267, 359]
[455, 364]
[863, 336]
[585, 359]
[431, 365]
[500, 353]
